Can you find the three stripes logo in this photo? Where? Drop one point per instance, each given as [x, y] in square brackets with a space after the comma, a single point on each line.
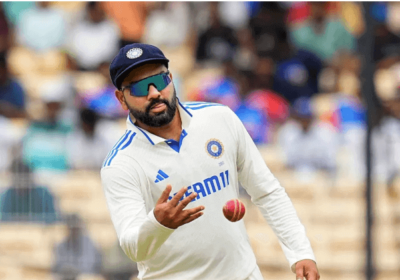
[161, 176]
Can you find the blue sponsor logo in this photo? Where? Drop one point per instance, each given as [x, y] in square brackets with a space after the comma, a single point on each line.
[208, 186]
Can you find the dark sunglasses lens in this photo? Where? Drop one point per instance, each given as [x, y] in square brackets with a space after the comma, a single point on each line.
[161, 81]
[142, 88]
[139, 89]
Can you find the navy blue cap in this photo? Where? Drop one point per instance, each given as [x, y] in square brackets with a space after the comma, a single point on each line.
[132, 56]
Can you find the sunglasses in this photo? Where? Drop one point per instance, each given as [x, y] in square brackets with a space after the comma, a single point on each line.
[141, 88]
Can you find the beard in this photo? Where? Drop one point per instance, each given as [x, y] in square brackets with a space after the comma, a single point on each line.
[159, 119]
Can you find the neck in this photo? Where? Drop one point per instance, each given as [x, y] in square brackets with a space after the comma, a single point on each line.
[172, 130]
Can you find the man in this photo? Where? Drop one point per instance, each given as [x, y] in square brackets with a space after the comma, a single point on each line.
[86, 145]
[321, 34]
[205, 148]
[94, 39]
[12, 95]
[308, 144]
[44, 144]
[24, 201]
[41, 28]
[386, 141]
[77, 254]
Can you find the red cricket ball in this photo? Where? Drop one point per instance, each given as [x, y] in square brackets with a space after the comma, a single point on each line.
[234, 210]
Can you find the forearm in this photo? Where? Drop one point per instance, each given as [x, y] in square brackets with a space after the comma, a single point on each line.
[279, 212]
[141, 243]
[140, 235]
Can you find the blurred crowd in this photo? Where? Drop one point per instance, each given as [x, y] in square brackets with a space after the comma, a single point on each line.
[290, 71]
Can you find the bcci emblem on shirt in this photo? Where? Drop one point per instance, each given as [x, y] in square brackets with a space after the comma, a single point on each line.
[214, 148]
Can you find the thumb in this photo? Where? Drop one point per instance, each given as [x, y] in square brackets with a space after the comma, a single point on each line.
[299, 272]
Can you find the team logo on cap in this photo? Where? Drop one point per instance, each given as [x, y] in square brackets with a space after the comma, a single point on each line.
[214, 148]
[134, 53]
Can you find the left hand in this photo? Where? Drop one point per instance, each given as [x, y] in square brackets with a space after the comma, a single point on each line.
[307, 269]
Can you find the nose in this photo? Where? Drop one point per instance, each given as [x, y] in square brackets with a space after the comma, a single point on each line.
[153, 93]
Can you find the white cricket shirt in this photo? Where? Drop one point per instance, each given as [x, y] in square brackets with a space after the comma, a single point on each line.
[214, 153]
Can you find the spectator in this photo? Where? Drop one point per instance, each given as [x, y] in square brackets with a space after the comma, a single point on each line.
[130, 18]
[14, 10]
[262, 108]
[350, 118]
[296, 73]
[167, 16]
[218, 43]
[263, 73]
[272, 108]
[12, 95]
[10, 136]
[386, 141]
[245, 57]
[234, 14]
[25, 202]
[322, 35]
[42, 28]
[95, 39]
[5, 38]
[86, 146]
[116, 265]
[44, 145]
[102, 100]
[222, 89]
[386, 49]
[77, 254]
[255, 122]
[268, 26]
[308, 144]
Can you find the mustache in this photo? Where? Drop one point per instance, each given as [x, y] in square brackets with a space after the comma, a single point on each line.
[156, 102]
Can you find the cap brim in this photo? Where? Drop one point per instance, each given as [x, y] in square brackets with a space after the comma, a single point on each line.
[124, 73]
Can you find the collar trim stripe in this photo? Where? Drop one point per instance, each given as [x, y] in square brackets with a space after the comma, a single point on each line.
[145, 135]
[186, 110]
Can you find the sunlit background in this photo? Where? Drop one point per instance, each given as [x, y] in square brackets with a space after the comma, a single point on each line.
[291, 72]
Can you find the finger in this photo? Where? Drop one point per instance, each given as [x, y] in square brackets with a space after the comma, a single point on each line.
[192, 217]
[312, 275]
[174, 201]
[299, 272]
[186, 201]
[165, 194]
[193, 211]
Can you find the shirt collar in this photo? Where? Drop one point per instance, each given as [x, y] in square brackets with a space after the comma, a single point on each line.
[186, 117]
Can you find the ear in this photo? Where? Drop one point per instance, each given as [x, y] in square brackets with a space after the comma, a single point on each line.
[121, 98]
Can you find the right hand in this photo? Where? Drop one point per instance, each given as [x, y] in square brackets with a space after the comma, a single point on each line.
[171, 214]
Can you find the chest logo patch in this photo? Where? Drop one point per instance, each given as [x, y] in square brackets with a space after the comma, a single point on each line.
[214, 148]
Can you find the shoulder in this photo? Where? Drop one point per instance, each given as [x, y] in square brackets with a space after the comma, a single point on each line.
[214, 113]
[119, 150]
[206, 108]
